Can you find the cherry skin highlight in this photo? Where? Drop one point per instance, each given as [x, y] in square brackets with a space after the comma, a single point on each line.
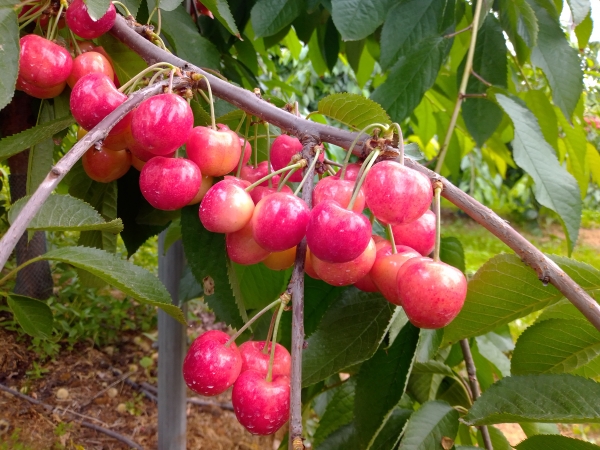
[169, 183]
[43, 63]
[253, 358]
[217, 152]
[397, 194]
[93, 98]
[335, 234]
[262, 407]
[432, 293]
[226, 207]
[79, 21]
[418, 234]
[279, 221]
[210, 368]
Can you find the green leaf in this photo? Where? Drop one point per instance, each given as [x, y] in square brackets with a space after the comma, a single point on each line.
[164, 5]
[594, 162]
[432, 367]
[494, 355]
[519, 22]
[540, 106]
[554, 187]
[424, 386]
[452, 252]
[16, 143]
[533, 428]
[339, 412]
[40, 155]
[555, 346]
[499, 441]
[538, 398]
[9, 57]
[428, 425]
[182, 33]
[260, 285]
[381, 383]
[356, 19]
[559, 61]
[580, 10]
[392, 430]
[575, 143]
[349, 333]
[222, 13]
[63, 212]
[133, 280]
[34, 316]
[411, 77]
[270, 16]
[205, 253]
[353, 110]
[125, 61]
[406, 25]
[344, 437]
[555, 442]
[132, 5]
[329, 43]
[97, 8]
[583, 31]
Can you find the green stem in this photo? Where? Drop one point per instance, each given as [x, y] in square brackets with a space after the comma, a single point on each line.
[151, 15]
[362, 175]
[239, 125]
[13, 272]
[309, 171]
[143, 73]
[400, 142]
[272, 174]
[127, 13]
[288, 175]
[239, 167]
[159, 26]
[210, 100]
[52, 33]
[154, 77]
[251, 321]
[273, 343]
[358, 136]
[390, 234]
[75, 44]
[265, 349]
[436, 194]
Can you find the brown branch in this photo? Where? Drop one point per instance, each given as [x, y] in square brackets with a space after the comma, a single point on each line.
[451, 35]
[546, 269]
[50, 408]
[472, 374]
[480, 78]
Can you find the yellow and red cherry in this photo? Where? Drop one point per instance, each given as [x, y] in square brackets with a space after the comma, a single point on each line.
[242, 248]
[346, 273]
[282, 150]
[418, 234]
[281, 260]
[217, 152]
[384, 247]
[253, 174]
[89, 62]
[106, 165]
[226, 207]
[205, 185]
[385, 271]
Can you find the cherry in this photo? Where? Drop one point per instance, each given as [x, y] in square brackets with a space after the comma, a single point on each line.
[279, 221]
[205, 185]
[418, 234]
[204, 10]
[243, 249]
[210, 367]
[79, 20]
[259, 192]
[135, 148]
[43, 63]
[162, 124]
[253, 358]
[281, 260]
[339, 190]
[432, 293]
[106, 165]
[385, 271]
[383, 246]
[226, 207]
[216, 152]
[335, 234]
[352, 170]
[137, 162]
[170, 183]
[282, 150]
[38, 92]
[346, 273]
[254, 174]
[397, 194]
[308, 266]
[93, 98]
[89, 62]
[262, 407]
[247, 151]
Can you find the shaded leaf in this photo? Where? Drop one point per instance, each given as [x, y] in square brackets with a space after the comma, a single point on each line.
[339, 412]
[392, 431]
[344, 437]
[519, 21]
[580, 9]
[494, 355]
[9, 59]
[222, 13]
[353, 110]
[356, 19]
[270, 16]
[34, 316]
[452, 252]
[540, 106]
[499, 441]
[428, 425]
[97, 8]
[125, 61]
[41, 155]
[260, 285]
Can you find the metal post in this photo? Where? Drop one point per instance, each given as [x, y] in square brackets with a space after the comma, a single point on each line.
[172, 346]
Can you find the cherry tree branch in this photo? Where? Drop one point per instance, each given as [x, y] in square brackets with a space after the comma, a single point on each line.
[58, 172]
[546, 269]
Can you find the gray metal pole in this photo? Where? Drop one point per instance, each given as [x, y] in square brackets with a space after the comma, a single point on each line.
[172, 346]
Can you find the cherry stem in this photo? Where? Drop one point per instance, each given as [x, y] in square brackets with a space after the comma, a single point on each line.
[269, 154]
[52, 34]
[400, 142]
[437, 190]
[127, 13]
[358, 136]
[362, 175]
[171, 74]
[251, 321]
[32, 14]
[241, 161]
[390, 234]
[159, 24]
[143, 73]
[272, 174]
[75, 44]
[153, 79]
[239, 125]
[199, 76]
[310, 169]
[285, 298]
[265, 349]
[285, 179]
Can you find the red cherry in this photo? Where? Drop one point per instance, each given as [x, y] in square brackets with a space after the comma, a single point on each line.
[253, 358]
[397, 194]
[106, 165]
[210, 368]
[308, 266]
[89, 62]
[335, 234]
[226, 207]
[247, 151]
[333, 188]
[169, 183]
[418, 234]
[385, 270]
[259, 192]
[279, 221]
[204, 10]
[162, 124]
[93, 98]
[281, 260]
[282, 150]
[205, 185]
[42, 62]
[79, 20]
[216, 152]
[243, 249]
[383, 246]
[262, 407]
[38, 92]
[432, 293]
[344, 274]
[352, 170]
[254, 174]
